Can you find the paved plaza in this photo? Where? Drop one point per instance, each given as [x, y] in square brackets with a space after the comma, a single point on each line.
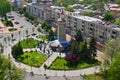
[40, 72]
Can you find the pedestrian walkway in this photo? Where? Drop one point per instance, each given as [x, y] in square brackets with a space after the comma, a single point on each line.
[48, 62]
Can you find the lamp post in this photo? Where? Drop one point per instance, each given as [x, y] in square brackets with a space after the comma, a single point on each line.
[48, 56]
[19, 35]
[9, 67]
[45, 67]
[64, 69]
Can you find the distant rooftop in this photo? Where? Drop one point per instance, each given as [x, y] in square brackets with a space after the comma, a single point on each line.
[39, 6]
[117, 29]
[86, 18]
[57, 7]
[111, 5]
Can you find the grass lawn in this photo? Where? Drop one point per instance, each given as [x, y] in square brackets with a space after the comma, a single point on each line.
[97, 76]
[43, 37]
[29, 43]
[62, 64]
[12, 29]
[33, 58]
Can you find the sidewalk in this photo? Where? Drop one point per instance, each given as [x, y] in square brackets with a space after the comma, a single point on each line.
[48, 62]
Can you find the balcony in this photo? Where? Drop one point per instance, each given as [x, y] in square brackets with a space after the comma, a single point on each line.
[113, 36]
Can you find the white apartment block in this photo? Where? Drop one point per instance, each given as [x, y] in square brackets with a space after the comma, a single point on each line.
[39, 11]
[102, 31]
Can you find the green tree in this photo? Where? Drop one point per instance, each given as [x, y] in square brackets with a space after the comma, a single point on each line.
[35, 21]
[117, 22]
[5, 7]
[17, 50]
[117, 1]
[111, 50]
[108, 17]
[8, 71]
[78, 36]
[86, 13]
[92, 47]
[46, 26]
[74, 47]
[84, 51]
[114, 70]
[21, 11]
[51, 34]
[71, 9]
[43, 24]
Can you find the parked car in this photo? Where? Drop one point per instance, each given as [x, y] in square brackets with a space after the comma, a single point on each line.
[27, 36]
[13, 39]
[21, 27]
[1, 36]
[33, 34]
[16, 22]
[10, 16]
[12, 19]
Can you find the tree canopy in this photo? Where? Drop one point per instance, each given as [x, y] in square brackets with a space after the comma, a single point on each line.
[17, 51]
[114, 70]
[71, 9]
[92, 47]
[8, 71]
[108, 17]
[111, 50]
[78, 36]
[117, 22]
[117, 1]
[5, 7]
[111, 65]
[46, 26]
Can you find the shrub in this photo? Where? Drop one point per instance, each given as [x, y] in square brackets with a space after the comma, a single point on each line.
[72, 58]
[117, 22]
[7, 23]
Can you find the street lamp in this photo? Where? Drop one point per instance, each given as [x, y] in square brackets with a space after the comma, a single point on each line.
[19, 35]
[48, 56]
[9, 67]
[64, 69]
[45, 67]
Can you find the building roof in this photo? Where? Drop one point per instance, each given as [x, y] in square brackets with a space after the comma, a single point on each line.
[57, 43]
[117, 29]
[86, 18]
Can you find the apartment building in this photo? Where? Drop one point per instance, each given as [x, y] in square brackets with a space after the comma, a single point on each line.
[102, 31]
[39, 11]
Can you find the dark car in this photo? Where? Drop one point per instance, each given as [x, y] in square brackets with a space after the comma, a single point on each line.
[33, 34]
[21, 27]
[13, 39]
[16, 22]
[10, 16]
[1, 36]
[12, 19]
[27, 36]
[27, 19]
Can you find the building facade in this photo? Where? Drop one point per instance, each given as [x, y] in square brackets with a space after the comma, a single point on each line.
[39, 11]
[89, 27]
